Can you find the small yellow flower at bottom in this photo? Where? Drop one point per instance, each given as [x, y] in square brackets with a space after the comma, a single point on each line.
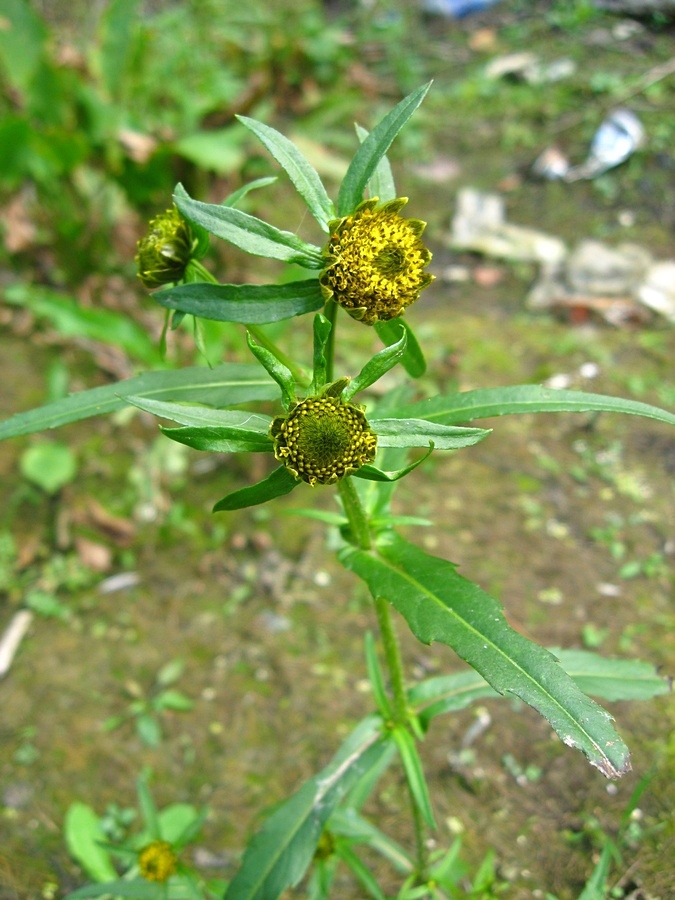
[157, 861]
[375, 262]
[165, 251]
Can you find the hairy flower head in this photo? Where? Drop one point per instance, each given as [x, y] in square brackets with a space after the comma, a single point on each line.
[157, 861]
[323, 439]
[165, 251]
[375, 261]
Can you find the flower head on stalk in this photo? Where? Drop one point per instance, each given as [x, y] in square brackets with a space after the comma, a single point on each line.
[166, 250]
[376, 261]
[157, 861]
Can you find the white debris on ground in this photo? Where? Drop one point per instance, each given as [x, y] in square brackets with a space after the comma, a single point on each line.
[623, 285]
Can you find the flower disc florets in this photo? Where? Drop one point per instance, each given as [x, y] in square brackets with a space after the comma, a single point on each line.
[157, 861]
[376, 261]
[323, 439]
[165, 251]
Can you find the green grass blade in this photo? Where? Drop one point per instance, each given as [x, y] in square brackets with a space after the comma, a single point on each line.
[279, 855]
[227, 385]
[249, 233]
[440, 605]
[373, 148]
[303, 175]
[524, 398]
[249, 304]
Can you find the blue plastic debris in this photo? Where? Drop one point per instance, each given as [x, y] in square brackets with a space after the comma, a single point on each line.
[456, 9]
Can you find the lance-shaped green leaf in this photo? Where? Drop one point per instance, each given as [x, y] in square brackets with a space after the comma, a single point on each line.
[276, 369]
[378, 366]
[373, 148]
[234, 198]
[322, 330]
[440, 605]
[524, 398]
[279, 483]
[226, 385]
[420, 433]
[279, 855]
[413, 360]
[414, 773]
[136, 887]
[611, 679]
[303, 175]
[248, 232]
[381, 183]
[221, 438]
[373, 473]
[250, 304]
[203, 416]
[376, 677]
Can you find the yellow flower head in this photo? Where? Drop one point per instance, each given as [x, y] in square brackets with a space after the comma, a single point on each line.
[376, 261]
[165, 251]
[157, 861]
[323, 439]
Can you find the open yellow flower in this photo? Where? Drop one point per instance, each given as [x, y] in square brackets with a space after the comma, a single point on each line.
[376, 261]
[157, 861]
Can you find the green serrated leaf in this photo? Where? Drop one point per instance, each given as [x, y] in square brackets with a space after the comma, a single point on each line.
[249, 304]
[524, 398]
[420, 433]
[440, 605]
[377, 366]
[278, 856]
[381, 183]
[413, 360]
[280, 482]
[226, 385]
[249, 233]
[303, 175]
[373, 148]
[221, 438]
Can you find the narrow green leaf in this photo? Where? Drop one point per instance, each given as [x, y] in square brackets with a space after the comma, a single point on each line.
[596, 886]
[414, 773]
[203, 415]
[147, 808]
[440, 605]
[83, 833]
[376, 679]
[227, 385]
[373, 148]
[348, 823]
[613, 679]
[372, 473]
[137, 887]
[250, 304]
[119, 26]
[524, 398]
[279, 483]
[381, 183]
[413, 360]
[420, 433]
[322, 330]
[360, 871]
[248, 232]
[276, 370]
[378, 366]
[236, 196]
[303, 175]
[221, 438]
[278, 856]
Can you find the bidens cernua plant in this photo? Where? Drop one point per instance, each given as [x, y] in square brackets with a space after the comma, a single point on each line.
[372, 263]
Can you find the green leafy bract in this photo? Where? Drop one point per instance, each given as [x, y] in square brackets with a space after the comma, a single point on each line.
[248, 232]
[226, 385]
[378, 366]
[303, 175]
[373, 148]
[221, 438]
[413, 360]
[420, 433]
[440, 605]
[249, 304]
[280, 482]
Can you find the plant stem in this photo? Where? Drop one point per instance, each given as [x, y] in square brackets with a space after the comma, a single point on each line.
[360, 530]
[330, 312]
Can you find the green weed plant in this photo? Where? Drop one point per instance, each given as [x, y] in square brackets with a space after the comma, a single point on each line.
[372, 263]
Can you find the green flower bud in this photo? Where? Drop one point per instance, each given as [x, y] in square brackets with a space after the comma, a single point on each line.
[165, 251]
[157, 861]
[323, 439]
[375, 262]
